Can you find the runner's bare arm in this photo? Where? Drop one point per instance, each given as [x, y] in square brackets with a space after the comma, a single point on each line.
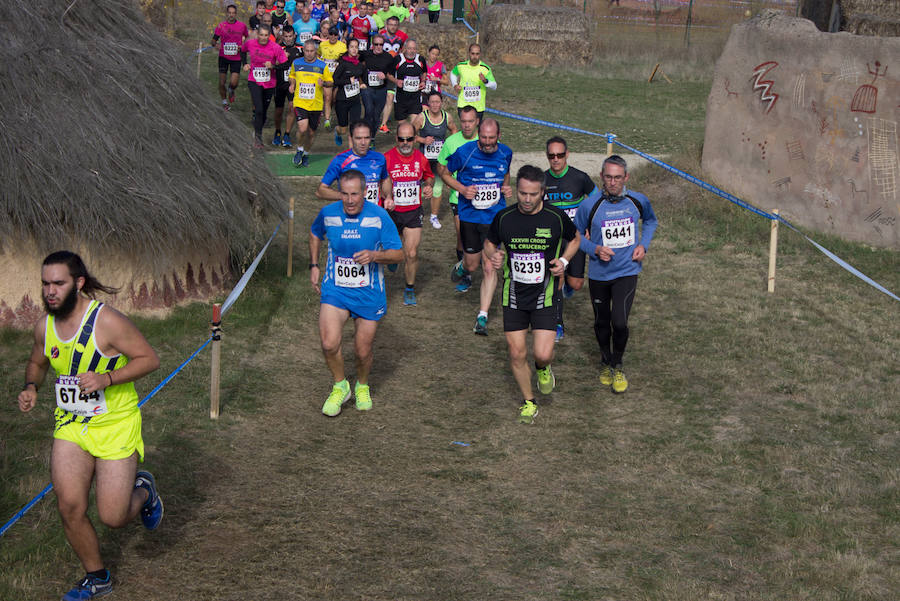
[447, 177]
[314, 272]
[115, 334]
[35, 370]
[493, 254]
[557, 266]
[506, 189]
[387, 193]
[385, 257]
[327, 193]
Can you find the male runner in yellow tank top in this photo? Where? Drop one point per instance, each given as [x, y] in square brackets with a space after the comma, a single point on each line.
[97, 354]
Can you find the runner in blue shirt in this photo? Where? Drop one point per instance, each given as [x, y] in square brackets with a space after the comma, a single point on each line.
[371, 163]
[361, 237]
[482, 181]
[615, 250]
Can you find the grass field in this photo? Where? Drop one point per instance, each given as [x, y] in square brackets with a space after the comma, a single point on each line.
[753, 458]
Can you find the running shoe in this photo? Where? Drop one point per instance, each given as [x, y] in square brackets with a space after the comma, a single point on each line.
[619, 383]
[568, 291]
[304, 162]
[257, 144]
[606, 375]
[457, 272]
[153, 510]
[231, 95]
[384, 129]
[340, 393]
[276, 141]
[409, 297]
[546, 380]
[90, 587]
[298, 158]
[338, 140]
[527, 412]
[560, 332]
[480, 325]
[363, 398]
[435, 222]
[226, 107]
[286, 141]
[327, 124]
[464, 284]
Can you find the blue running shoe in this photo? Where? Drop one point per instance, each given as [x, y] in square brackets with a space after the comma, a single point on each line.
[458, 272]
[152, 511]
[304, 162]
[298, 158]
[286, 141]
[409, 297]
[338, 140]
[480, 325]
[90, 587]
[464, 284]
[560, 332]
[568, 291]
[276, 141]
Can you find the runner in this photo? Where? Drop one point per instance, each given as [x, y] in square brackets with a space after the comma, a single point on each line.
[359, 157]
[434, 10]
[280, 19]
[330, 52]
[308, 76]
[378, 64]
[262, 56]
[97, 354]
[361, 238]
[540, 240]
[565, 187]
[283, 87]
[434, 125]
[411, 178]
[468, 124]
[614, 262]
[255, 19]
[305, 27]
[471, 79]
[482, 180]
[393, 45]
[318, 10]
[233, 33]
[362, 25]
[349, 80]
[408, 74]
[436, 74]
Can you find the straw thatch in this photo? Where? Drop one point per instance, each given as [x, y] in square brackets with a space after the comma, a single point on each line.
[551, 34]
[112, 147]
[453, 40]
[871, 17]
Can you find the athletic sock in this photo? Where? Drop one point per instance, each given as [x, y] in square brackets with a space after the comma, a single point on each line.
[459, 255]
[102, 574]
[482, 314]
[410, 286]
[300, 149]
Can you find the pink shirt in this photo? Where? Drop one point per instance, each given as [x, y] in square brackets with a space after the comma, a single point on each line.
[231, 38]
[257, 55]
[433, 81]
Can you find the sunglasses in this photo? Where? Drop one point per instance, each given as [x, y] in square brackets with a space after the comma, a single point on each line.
[377, 44]
[558, 155]
[409, 139]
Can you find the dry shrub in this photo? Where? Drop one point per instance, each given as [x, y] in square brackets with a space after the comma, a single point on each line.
[453, 40]
[559, 35]
[108, 137]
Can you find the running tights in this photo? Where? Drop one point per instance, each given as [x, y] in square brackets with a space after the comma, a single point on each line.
[261, 98]
[373, 103]
[612, 304]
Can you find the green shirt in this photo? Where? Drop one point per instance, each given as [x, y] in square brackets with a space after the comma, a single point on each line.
[450, 146]
[381, 16]
[473, 90]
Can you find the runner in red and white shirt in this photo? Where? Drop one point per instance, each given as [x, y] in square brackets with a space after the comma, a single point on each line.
[410, 177]
[363, 25]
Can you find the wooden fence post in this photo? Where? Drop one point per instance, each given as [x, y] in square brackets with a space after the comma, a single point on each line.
[215, 364]
[290, 254]
[773, 250]
[199, 54]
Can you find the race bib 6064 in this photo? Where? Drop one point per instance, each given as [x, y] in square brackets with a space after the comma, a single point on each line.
[350, 274]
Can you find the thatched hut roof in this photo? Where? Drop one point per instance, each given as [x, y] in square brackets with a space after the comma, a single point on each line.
[550, 34]
[112, 147]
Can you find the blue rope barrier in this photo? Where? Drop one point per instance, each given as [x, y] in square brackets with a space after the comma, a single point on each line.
[242, 283]
[612, 138]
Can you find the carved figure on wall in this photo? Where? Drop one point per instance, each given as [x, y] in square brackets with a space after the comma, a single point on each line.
[866, 97]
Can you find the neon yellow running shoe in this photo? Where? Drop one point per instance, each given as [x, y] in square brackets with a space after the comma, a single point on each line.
[339, 395]
[546, 380]
[606, 375]
[363, 398]
[619, 383]
[527, 412]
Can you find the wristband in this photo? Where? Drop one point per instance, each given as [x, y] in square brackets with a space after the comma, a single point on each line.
[565, 262]
[27, 384]
[311, 265]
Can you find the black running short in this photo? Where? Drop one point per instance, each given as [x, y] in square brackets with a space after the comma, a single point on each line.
[312, 116]
[282, 93]
[407, 219]
[225, 65]
[407, 107]
[544, 318]
[576, 265]
[473, 235]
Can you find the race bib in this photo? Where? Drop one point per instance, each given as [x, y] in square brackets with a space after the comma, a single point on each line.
[331, 65]
[229, 49]
[373, 78]
[527, 268]
[410, 84]
[70, 398]
[487, 195]
[406, 194]
[304, 36]
[363, 45]
[618, 233]
[372, 192]
[571, 212]
[261, 74]
[286, 78]
[472, 93]
[430, 85]
[350, 274]
[306, 91]
[351, 89]
[434, 149]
